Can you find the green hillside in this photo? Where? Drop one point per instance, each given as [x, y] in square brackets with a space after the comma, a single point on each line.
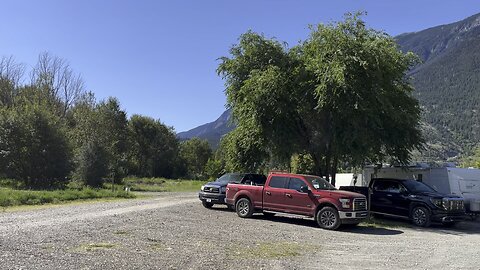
[448, 85]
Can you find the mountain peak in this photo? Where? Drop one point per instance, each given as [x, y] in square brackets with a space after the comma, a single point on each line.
[213, 131]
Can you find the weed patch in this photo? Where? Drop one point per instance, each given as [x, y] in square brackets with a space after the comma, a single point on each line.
[270, 250]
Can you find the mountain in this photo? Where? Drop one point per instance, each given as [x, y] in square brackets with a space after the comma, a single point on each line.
[447, 84]
[212, 132]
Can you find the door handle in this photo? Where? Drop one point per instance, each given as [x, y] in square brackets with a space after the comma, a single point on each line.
[389, 195]
[288, 195]
[268, 193]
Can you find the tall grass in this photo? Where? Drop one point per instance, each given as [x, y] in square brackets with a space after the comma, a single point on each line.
[163, 185]
[12, 197]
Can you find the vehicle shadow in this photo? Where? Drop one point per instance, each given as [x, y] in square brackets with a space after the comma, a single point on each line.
[221, 208]
[308, 222]
[461, 228]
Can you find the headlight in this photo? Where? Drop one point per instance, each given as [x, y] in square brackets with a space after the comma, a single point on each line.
[223, 189]
[201, 188]
[345, 202]
[439, 203]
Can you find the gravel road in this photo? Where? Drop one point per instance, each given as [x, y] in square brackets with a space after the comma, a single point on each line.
[173, 231]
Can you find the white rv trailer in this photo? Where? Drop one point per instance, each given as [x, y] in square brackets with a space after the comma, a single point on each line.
[448, 180]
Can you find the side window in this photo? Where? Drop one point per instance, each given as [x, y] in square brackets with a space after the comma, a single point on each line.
[278, 182]
[387, 186]
[394, 187]
[379, 186]
[259, 179]
[296, 183]
[247, 180]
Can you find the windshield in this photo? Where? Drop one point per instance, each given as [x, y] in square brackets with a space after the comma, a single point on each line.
[230, 178]
[319, 183]
[415, 186]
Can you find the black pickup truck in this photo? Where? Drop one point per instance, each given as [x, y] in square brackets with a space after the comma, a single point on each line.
[413, 200]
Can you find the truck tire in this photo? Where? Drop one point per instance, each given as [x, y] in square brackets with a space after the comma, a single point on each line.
[244, 208]
[328, 218]
[207, 204]
[420, 216]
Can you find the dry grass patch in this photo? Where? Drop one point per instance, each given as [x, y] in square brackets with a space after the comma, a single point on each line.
[271, 250]
[96, 246]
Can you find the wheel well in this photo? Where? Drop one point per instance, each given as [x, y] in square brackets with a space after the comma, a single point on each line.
[241, 197]
[415, 204]
[320, 206]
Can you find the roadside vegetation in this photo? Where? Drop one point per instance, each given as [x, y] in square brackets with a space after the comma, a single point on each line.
[12, 197]
[163, 185]
[58, 143]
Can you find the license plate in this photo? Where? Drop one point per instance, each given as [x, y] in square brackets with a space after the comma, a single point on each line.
[209, 200]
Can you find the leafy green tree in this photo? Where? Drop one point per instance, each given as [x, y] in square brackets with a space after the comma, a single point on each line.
[113, 134]
[154, 148]
[302, 163]
[472, 161]
[106, 123]
[195, 153]
[92, 164]
[243, 150]
[34, 147]
[214, 168]
[342, 94]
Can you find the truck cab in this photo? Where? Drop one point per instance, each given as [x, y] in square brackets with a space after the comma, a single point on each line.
[299, 194]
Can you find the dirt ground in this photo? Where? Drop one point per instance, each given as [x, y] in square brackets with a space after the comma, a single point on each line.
[174, 231]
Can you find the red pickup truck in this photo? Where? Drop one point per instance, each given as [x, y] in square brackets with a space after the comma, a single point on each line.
[306, 195]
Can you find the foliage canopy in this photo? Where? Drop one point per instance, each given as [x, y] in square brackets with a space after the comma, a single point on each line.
[342, 95]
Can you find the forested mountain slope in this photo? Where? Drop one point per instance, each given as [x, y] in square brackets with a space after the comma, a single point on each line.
[448, 84]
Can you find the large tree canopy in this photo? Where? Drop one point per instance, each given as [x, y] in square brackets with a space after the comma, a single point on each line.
[340, 95]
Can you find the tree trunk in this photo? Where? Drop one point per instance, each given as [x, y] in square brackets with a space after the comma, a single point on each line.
[334, 169]
[317, 165]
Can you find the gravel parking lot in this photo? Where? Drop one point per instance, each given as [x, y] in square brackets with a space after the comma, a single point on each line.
[173, 231]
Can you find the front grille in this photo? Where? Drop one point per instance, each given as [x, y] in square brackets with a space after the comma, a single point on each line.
[359, 204]
[211, 189]
[454, 205]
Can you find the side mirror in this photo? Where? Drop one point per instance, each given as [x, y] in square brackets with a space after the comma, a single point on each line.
[304, 189]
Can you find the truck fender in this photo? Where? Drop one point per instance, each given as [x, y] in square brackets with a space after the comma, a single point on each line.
[325, 202]
[415, 204]
[241, 194]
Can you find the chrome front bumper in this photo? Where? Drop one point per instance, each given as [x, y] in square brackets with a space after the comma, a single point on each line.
[353, 215]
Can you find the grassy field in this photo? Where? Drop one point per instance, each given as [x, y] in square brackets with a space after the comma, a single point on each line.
[13, 197]
[11, 194]
[163, 185]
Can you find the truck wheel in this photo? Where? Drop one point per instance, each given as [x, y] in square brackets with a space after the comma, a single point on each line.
[420, 216]
[328, 218]
[207, 204]
[244, 208]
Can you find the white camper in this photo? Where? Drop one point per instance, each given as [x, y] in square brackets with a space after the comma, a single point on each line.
[448, 180]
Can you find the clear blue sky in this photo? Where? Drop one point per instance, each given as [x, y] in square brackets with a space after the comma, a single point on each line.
[159, 57]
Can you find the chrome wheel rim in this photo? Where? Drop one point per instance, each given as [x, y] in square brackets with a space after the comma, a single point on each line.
[243, 208]
[419, 216]
[328, 218]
